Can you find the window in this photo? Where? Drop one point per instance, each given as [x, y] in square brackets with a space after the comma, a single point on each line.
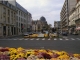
[8, 12]
[19, 12]
[19, 24]
[19, 29]
[4, 10]
[19, 18]
[4, 19]
[16, 17]
[12, 20]
[8, 20]
[16, 23]
[11, 13]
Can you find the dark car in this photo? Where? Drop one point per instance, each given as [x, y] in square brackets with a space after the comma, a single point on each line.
[26, 34]
[64, 33]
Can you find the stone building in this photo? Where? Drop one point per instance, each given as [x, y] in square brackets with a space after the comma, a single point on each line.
[39, 26]
[14, 19]
[57, 25]
[65, 12]
[74, 18]
[7, 19]
[23, 19]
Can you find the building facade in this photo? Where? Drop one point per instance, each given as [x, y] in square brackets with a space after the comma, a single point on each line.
[22, 19]
[7, 19]
[29, 24]
[74, 19]
[57, 26]
[14, 19]
[64, 14]
[39, 26]
[77, 20]
[44, 23]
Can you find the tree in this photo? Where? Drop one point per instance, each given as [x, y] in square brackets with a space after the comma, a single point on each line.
[53, 29]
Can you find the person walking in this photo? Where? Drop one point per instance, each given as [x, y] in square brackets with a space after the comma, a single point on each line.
[50, 35]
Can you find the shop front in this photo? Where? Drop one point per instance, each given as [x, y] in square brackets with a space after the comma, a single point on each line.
[78, 25]
[78, 30]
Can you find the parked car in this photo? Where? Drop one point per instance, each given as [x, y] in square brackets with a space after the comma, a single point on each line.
[34, 34]
[26, 34]
[64, 33]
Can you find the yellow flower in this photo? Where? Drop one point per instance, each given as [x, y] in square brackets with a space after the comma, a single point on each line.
[19, 49]
[76, 55]
[50, 53]
[61, 52]
[63, 57]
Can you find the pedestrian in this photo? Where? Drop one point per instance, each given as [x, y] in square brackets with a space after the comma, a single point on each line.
[50, 35]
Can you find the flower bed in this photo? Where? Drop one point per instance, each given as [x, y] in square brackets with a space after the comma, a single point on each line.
[35, 54]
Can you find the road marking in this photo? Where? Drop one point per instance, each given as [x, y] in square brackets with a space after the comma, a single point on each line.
[78, 38]
[49, 39]
[72, 39]
[25, 39]
[43, 39]
[61, 39]
[55, 39]
[37, 39]
[32, 39]
[66, 39]
[14, 39]
[21, 39]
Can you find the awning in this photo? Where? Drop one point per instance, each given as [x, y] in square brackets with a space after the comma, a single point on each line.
[78, 28]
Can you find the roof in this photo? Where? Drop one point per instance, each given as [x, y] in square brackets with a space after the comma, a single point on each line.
[21, 8]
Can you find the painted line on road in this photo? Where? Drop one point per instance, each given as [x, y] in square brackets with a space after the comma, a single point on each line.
[14, 39]
[37, 39]
[32, 39]
[49, 39]
[55, 39]
[78, 38]
[66, 39]
[61, 39]
[43, 39]
[25, 39]
[21, 39]
[72, 39]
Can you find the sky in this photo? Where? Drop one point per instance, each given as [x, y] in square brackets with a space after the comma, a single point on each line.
[50, 9]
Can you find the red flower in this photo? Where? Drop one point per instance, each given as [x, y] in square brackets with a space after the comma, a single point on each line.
[46, 56]
[3, 50]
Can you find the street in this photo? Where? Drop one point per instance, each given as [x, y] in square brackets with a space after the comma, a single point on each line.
[69, 44]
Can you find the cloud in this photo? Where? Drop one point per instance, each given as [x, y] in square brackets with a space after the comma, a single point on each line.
[50, 9]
